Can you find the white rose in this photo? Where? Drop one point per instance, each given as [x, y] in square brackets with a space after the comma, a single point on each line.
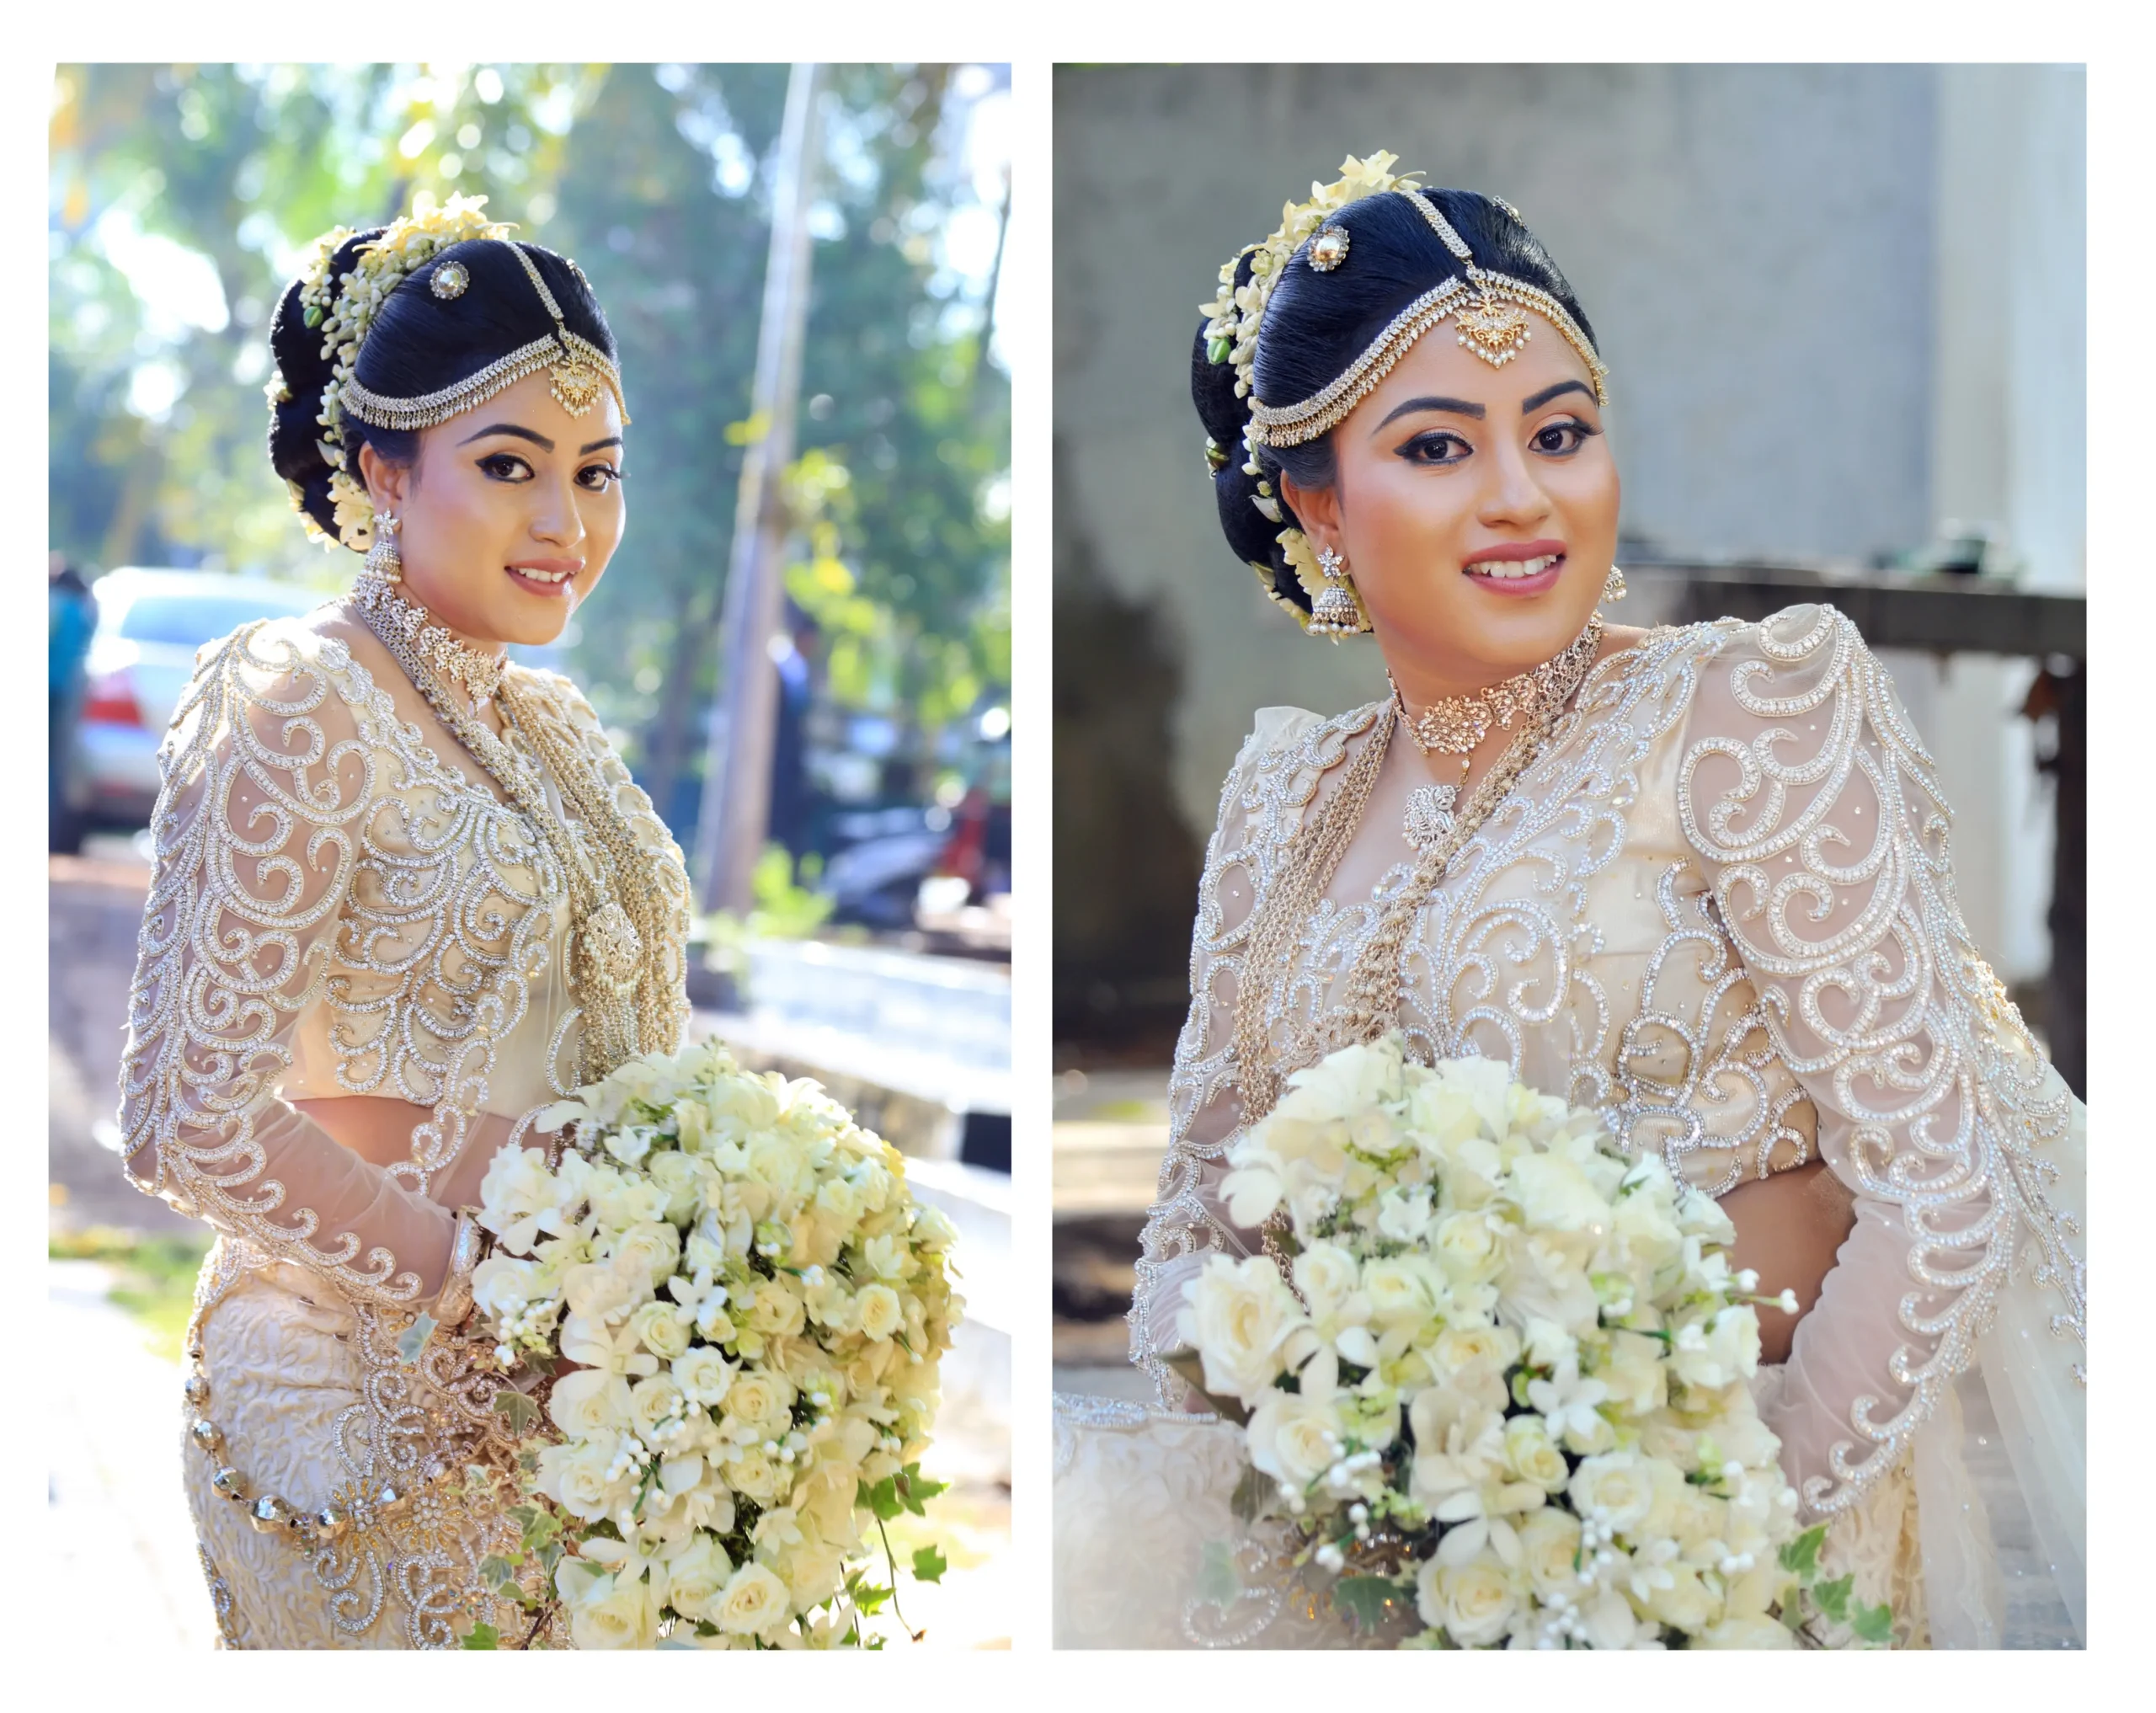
[756, 1474]
[1532, 1456]
[578, 1478]
[754, 1602]
[1687, 1603]
[653, 1245]
[652, 1403]
[659, 1326]
[1473, 1602]
[882, 1313]
[1245, 1323]
[587, 1401]
[703, 1375]
[680, 1178]
[1615, 1486]
[1548, 1540]
[1294, 1439]
[501, 1286]
[759, 1405]
[1471, 1247]
[626, 1616]
[695, 1575]
[1633, 1372]
[1403, 1290]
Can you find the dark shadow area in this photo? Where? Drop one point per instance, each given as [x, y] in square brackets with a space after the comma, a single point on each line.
[1127, 863]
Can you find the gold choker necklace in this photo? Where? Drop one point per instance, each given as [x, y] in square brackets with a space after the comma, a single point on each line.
[477, 675]
[1457, 726]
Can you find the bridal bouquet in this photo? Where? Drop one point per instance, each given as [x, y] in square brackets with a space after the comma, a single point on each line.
[738, 1310]
[1508, 1385]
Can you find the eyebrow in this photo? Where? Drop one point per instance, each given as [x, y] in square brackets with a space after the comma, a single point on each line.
[1535, 401]
[1458, 406]
[510, 428]
[539, 441]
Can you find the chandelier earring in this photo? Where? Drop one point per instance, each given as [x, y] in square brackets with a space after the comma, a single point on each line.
[383, 564]
[1612, 585]
[1336, 613]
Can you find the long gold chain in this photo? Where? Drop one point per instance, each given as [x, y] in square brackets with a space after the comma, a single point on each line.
[615, 914]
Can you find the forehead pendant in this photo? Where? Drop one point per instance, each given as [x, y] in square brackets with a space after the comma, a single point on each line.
[576, 386]
[1494, 330]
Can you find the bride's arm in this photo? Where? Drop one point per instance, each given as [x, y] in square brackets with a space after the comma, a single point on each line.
[1814, 810]
[266, 785]
[1186, 1221]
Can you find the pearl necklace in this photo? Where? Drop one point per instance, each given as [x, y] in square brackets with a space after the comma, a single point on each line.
[1457, 726]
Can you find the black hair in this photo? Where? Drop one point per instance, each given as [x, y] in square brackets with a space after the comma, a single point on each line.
[1317, 324]
[419, 343]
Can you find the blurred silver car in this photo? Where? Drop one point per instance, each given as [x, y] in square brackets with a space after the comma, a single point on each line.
[150, 625]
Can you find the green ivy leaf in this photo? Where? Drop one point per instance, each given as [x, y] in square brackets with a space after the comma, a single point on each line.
[483, 1637]
[1800, 1557]
[1251, 1494]
[1833, 1597]
[521, 1412]
[499, 1573]
[413, 1339]
[1217, 1582]
[929, 1564]
[1366, 1602]
[1874, 1624]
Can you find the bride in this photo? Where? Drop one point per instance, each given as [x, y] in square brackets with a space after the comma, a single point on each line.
[405, 896]
[1699, 878]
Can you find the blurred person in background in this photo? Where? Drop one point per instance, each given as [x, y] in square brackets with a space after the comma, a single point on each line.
[1697, 879]
[407, 895]
[72, 618]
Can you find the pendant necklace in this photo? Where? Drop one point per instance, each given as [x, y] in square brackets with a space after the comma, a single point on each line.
[1457, 725]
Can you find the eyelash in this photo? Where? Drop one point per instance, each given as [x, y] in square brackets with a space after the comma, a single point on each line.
[1437, 438]
[504, 467]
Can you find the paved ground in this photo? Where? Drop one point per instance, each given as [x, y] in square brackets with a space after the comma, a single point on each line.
[121, 1541]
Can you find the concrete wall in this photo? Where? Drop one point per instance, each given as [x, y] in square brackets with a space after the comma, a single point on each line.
[1798, 367]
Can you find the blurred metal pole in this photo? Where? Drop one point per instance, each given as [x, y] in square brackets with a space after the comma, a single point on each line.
[735, 813]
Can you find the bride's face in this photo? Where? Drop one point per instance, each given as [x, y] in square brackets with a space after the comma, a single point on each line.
[508, 517]
[1453, 476]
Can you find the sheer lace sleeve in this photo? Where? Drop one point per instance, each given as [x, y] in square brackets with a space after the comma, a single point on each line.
[1814, 808]
[1187, 1222]
[266, 775]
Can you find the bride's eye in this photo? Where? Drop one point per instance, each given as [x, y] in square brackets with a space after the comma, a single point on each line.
[600, 479]
[1436, 446]
[505, 466]
[1559, 438]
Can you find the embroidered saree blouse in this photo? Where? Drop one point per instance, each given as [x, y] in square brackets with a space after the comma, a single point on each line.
[343, 905]
[1720, 908]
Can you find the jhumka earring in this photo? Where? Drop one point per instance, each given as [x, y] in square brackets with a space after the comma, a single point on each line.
[383, 564]
[1334, 612]
[1612, 585]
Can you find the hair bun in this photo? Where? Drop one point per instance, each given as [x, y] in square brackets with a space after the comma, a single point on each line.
[303, 370]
